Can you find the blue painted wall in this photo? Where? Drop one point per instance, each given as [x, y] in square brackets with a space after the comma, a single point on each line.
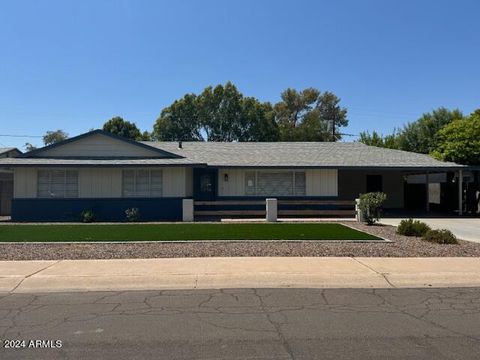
[107, 209]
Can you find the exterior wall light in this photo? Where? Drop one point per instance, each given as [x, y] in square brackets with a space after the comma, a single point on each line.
[225, 177]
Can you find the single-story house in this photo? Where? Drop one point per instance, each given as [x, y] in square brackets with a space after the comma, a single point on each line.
[6, 181]
[108, 174]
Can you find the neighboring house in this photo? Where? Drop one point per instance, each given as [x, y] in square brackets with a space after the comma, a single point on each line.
[109, 174]
[6, 181]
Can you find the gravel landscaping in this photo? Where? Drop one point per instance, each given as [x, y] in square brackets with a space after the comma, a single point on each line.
[401, 246]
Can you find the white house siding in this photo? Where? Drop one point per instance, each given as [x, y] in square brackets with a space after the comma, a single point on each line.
[235, 186]
[322, 182]
[319, 182]
[101, 182]
[99, 145]
[174, 182]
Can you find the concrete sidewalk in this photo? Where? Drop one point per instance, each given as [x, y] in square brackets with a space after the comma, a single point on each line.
[253, 272]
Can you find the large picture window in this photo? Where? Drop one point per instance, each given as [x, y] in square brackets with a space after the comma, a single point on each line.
[142, 183]
[57, 184]
[275, 183]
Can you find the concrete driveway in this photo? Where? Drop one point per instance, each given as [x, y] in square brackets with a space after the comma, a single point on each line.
[463, 228]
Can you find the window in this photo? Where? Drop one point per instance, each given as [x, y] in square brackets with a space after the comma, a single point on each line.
[142, 183]
[57, 184]
[250, 183]
[278, 183]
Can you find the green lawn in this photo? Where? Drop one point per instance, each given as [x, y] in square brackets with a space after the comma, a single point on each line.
[177, 232]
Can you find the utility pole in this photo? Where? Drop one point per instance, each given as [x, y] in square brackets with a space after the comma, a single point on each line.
[333, 130]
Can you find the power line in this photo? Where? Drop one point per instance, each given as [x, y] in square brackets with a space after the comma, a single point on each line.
[21, 136]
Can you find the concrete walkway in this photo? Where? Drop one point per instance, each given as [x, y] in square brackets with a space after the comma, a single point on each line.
[463, 228]
[216, 273]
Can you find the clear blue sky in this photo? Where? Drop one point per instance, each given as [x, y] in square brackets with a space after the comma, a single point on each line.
[72, 65]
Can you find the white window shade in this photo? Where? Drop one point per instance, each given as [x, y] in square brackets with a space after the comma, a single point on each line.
[142, 183]
[275, 183]
[57, 184]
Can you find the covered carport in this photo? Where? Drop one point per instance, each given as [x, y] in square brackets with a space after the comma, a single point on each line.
[438, 191]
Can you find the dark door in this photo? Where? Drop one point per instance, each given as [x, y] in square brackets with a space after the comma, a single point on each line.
[205, 184]
[374, 183]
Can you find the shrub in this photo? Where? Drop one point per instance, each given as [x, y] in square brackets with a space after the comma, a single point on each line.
[410, 227]
[371, 206]
[132, 214]
[443, 236]
[87, 216]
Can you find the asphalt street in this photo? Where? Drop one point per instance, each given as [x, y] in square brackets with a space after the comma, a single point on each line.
[244, 324]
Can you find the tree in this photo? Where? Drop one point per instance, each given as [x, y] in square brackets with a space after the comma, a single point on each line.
[118, 126]
[459, 141]
[52, 137]
[309, 115]
[420, 136]
[331, 113]
[376, 139]
[258, 121]
[179, 121]
[29, 147]
[219, 113]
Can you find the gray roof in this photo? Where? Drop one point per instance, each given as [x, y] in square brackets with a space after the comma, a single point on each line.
[300, 154]
[259, 154]
[20, 161]
[7, 149]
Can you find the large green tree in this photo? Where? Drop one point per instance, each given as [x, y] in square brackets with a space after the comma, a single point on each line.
[118, 126]
[179, 121]
[219, 113]
[376, 139]
[420, 136]
[309, 115]
[52, 137]
[459, 141]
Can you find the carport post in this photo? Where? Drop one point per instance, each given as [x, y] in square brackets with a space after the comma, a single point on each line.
[427, 182]
[460, 192]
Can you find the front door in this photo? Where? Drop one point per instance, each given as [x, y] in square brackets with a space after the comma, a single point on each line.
[205, 184]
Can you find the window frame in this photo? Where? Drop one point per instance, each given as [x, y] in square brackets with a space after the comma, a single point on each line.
[64, 191]
[152, 193]
[292, 173]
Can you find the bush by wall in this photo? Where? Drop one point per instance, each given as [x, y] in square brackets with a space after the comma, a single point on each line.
[410, 227]
[87, 216]
[132, 214]
[371, 206]
[442, 236]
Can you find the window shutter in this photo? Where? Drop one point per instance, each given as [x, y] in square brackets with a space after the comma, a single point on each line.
[300, 184]
[43, 183]
[250, 183]
[156, 183]
[128, 183]
[57, 183]
[142, 183]
[274, 183]
[71, 183]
